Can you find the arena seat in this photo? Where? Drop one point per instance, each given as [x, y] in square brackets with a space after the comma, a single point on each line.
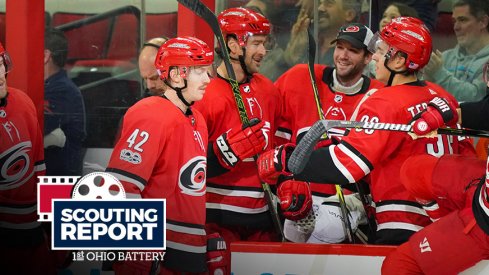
[161, 24]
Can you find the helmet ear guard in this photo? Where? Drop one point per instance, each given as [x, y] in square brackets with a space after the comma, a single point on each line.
[182, 70]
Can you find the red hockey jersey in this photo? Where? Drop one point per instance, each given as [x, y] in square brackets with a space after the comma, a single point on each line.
[448, 183]
[300, 111]
[236, 197]
[21, 162]
[480, 203]
[381, 154]
[162, 154]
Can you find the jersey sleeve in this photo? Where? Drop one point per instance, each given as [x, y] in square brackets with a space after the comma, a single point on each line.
[135, 154]
[358, 153]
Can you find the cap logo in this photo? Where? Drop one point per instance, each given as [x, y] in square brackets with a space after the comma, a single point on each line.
[178, 45]
[352, 29]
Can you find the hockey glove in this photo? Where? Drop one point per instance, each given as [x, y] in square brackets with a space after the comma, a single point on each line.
[273, 163]
[295, 199]
[240, 143]
[218, 261]
[439, 112]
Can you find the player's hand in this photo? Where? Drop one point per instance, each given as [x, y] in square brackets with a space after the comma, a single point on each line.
[217, 262]
[240, 143]
[295, 199]
[273, 163]
[439, 112]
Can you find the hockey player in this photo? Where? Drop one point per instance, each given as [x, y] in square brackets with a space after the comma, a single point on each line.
[236, 206]
[22, 239]
[340, 89]
[403, 47]
[449, 188]
[162, 154]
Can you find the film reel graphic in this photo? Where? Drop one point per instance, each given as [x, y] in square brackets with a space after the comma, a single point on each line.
[98, 185]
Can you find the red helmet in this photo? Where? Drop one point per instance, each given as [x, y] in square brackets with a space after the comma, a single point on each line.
[409, 35]
[183, 52]
[7, 62]
[243, 23]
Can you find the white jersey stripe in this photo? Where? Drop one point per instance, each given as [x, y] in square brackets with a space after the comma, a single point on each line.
[432, 207]
[186, 229]
[236, 193]
[355, 158]
[133, 196]
[399, 225]
[186, 247]
[284, 135]
[28, 225]
[238, 209]
[18, 210]
[401, 208]
[40, 167]
[340, 166]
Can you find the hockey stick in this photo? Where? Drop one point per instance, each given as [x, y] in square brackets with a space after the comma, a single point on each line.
[312, 76]
[303, 151]
[210, 18]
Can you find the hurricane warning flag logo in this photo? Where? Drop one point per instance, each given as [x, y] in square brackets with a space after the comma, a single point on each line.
[93, 213]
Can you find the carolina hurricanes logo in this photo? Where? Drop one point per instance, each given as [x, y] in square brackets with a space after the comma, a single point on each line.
[14, 166]
[192, 177]
[352, 29]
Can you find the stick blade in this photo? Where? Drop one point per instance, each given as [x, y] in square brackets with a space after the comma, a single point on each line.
[303, 151]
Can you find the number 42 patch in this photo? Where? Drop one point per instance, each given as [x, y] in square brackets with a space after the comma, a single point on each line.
[137, 139]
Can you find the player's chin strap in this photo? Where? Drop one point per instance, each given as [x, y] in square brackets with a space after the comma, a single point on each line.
[241, 59]
[3, 101]
[393, 73]
[178, 90]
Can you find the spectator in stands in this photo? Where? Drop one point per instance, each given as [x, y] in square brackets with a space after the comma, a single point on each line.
[64, 111]
[282, 15]
[152, 81]
[332, 15]
[394, 10]
[427, 10]
[459, 70]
